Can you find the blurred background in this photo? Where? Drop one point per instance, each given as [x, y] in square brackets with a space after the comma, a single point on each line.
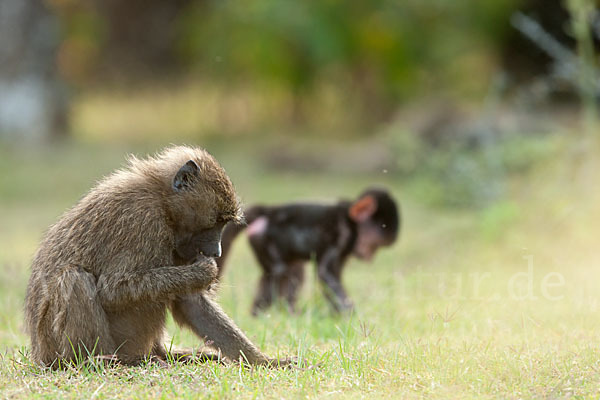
[454, 94]
[453, 103]
[405, 80]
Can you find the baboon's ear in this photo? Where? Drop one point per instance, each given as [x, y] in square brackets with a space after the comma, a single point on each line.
[363, 208]
[185, 175]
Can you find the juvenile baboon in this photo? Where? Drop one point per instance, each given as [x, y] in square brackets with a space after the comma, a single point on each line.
[139, 243]
[283, 238]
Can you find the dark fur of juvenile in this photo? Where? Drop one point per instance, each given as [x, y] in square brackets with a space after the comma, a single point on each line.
[283, 238]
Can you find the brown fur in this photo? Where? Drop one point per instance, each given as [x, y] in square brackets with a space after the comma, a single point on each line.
[106, 273]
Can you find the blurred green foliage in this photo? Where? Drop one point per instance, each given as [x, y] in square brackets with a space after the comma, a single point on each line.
[384, 49]
[372, 54]
[326, 66]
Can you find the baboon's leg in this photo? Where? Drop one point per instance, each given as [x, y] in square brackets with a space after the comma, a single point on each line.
[159, 349]
[78, 324]
[264, 294]
[273, 269]
[291, 283]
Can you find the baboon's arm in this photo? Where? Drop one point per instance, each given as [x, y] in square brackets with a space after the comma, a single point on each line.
[122, 288]
[209, 321]
[329, 267]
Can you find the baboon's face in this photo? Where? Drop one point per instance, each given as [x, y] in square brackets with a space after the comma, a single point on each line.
[369, 239]
[206, 242]
[376, 216]
[200, 215]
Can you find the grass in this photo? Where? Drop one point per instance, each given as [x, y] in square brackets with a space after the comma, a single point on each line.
[500, 302]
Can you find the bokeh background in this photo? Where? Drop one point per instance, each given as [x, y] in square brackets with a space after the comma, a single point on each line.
[449, 96]
[479, 116]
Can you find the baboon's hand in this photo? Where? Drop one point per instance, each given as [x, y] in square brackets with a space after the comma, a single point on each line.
[287, 362]
[205, 271]
[346, 306]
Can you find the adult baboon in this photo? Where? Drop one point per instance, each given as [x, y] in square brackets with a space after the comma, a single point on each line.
[139, 243]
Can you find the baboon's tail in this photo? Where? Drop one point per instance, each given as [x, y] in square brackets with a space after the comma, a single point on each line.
[230, 233]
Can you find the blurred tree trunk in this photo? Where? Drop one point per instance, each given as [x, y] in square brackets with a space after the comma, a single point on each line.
[33, 100]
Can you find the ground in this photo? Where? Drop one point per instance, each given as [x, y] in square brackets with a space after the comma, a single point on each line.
[499, 301]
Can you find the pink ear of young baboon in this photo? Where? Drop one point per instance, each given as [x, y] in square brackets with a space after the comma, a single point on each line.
[363, 208]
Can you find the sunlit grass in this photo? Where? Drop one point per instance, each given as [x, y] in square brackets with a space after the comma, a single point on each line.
[495, 302]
